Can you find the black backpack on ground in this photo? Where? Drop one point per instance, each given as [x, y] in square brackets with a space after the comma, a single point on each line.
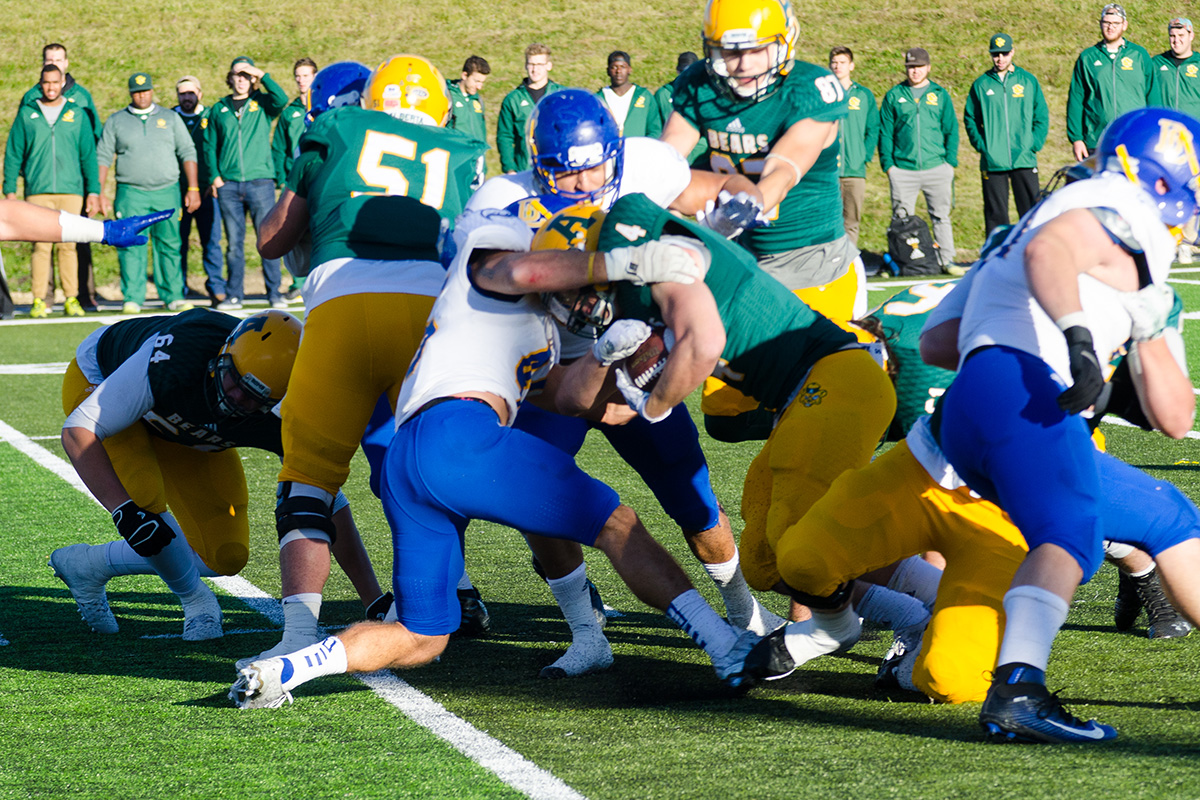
[911, 246]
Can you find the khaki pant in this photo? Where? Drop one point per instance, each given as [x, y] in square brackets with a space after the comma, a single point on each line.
[854, 191]
[68, 260]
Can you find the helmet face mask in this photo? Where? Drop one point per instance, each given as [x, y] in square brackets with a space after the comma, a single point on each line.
[748, 28]
[340, 84]
[409, 88]
[1156, 149]
[570, 133]
[257, 360]
[587, 311]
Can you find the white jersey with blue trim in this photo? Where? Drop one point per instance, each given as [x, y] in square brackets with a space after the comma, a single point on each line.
[476, 341]
[1001, 309]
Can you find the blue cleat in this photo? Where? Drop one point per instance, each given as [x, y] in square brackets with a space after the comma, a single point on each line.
[1019, 708]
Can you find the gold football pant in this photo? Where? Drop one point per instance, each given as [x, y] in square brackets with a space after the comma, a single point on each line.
[206, 491]
[354, 349]
[833, 425]
[892, 509]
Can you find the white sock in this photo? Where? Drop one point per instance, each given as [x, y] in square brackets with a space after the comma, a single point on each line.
[119, 559]
[175, 563]
[891, 609]
[1144, 572]
[572, 595]
[300, 615]
[917, 577]
[698, 620]
[823, 634]
[1033, 617]
[465, 581]
[326, 657]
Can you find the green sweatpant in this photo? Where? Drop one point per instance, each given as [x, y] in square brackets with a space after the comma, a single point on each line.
[164, 237]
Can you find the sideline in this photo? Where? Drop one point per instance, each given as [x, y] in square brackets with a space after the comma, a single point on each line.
[507, 764]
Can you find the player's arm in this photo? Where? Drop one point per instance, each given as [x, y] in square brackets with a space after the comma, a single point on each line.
[283, 226]
[1066, 247]
[1163, 387]
[91, 461]
[557, 270]
[691, 313]
[939, 345]
[792, 157]
[680, 133]
[705, 186]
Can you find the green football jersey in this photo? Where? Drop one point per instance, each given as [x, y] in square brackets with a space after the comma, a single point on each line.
[740, 134]
[377, 187]
[184, 396]
[918, 385]
[772, 339]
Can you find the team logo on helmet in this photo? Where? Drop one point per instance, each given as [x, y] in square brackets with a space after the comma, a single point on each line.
[1175, 145]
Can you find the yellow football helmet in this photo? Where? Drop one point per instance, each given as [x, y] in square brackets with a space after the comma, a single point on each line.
[590, 310]
[258, 355]
[750, 25]
[409, 88]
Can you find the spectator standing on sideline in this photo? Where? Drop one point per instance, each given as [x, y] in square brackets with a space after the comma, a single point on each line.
[1111, 77]
[53, 145]
[79, 97]
[518, 105]
[465, 102]
[1006, 120]
[1178, 82]
[207, 216]
[286, 138]
[237, 149]
[664, 99]
[149, 145]
[918, 148]
[632, 106]
[860, 138]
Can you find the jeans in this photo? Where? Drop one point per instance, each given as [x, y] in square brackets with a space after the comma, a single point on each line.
[208, 226]
[236, 198]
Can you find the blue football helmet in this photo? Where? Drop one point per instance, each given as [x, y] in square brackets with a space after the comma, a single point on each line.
[571, 130]
[339, 84]
[1153, 144]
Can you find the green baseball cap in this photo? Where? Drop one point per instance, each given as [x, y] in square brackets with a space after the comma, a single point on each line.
[241, 60]
[140, 82]
[1000, 43]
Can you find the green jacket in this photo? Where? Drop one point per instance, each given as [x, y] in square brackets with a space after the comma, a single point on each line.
[55, 159]
[1104, 86]
[1178, 82]
[515, 110]
[917, 135]
[643, 118]
[148, 147]
[196, 124]
[468, 112]
[663, 98]
[237, 146]
[286, 138]
[1006, 120]
[75, 93]
[860, 132]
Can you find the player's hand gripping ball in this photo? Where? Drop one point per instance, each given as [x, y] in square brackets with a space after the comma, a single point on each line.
[646, 364]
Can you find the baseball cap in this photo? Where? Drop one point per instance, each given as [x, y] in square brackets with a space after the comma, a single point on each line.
[241, 60]
[916, 57]
[1180, 22]
[188, 83]
[1000, 43]
[1113, 8]
[140, 82]
[618, 55]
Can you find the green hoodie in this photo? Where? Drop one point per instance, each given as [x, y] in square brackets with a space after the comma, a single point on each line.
[468, 112]
[75, 93]
[1006, 120]
[237, 145]
[1178, 82]
[917, 134]
[860, 132]
[55, 159]
[515, 111]
[1104, 86]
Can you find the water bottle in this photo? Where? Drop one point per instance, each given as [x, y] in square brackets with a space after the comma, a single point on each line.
[890, 265]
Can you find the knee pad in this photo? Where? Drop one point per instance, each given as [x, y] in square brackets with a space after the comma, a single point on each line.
[305, 511]
[230, 558]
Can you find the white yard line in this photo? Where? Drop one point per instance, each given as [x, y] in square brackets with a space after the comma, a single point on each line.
[507, 764]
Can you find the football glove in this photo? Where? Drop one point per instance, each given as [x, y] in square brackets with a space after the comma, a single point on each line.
[146, 532]
[1085, 371]
[730, 214]
[621, 340]
[127, 232]
[653, 262]
[1148, 309]
[636, 398]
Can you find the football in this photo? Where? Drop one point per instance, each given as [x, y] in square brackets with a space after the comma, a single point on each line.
[646, 364]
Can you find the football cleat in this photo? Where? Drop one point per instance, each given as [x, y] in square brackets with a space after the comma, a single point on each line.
[202, 618]
[475, 618]
[291, 643]
[1025, 711]
[1164, 622]
[731, 665]
[769, 659]
[72, 566]
[260, 685]
[589, 654]
[1128, 604]
[380, 606]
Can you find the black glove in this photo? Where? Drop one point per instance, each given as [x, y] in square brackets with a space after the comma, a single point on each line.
[146, 532]
[1085, 371]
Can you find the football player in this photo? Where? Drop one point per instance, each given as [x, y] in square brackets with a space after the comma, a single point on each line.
[360, 169]
[156, 408]
[485, 346]
[1080, 275]
[773, 119]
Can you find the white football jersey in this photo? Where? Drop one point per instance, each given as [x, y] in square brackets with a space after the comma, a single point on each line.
[1001, 310]
[479, 342]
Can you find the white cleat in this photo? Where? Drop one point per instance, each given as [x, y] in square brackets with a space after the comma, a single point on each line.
[73, 566]
[260, 685]
[584, 656]
[290, 644]
[202, 618]
[760, 621]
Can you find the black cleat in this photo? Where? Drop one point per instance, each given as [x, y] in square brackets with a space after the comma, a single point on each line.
[769, 660]
[1164, 621]
[380, 606]
[475, 619]
[1024, 711]
[1128, 604]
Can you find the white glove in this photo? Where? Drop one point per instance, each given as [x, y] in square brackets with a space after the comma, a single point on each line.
[731, 214]
[653, 262]
[1148, 309]
[636, 398]
[621, 340]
